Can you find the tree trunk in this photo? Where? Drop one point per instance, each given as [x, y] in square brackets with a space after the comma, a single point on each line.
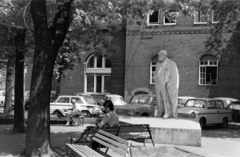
[19, 82]
[9, 86]
[47, 43]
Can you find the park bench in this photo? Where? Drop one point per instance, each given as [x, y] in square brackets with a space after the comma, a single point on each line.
[90, 131]
[105, 139]
[134, 132]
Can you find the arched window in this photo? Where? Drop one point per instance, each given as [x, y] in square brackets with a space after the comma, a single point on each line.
[208, 70]
[98, 75]
[153, 63]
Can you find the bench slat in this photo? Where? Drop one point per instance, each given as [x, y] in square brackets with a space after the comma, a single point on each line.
[88, 151]
[75, 150]
[117, 144]
[114, 137]
[109, 146]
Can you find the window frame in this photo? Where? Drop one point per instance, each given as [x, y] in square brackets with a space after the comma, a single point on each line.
[170, 24]
[212, 18]
[207, 65]
[151, 70]
[153, 23]
[194, 16]
[95, 72]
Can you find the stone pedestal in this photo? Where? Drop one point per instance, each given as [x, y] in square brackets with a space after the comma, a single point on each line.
[170, 131]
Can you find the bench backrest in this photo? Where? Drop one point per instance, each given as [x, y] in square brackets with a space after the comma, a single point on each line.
[113, 142]
[90, 131]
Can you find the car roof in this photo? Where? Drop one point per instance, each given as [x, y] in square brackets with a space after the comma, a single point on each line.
[113, 95]
[207, 99]
[145, 94]
[226, 98]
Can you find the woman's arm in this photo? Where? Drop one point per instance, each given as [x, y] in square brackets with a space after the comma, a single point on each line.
[104, 121]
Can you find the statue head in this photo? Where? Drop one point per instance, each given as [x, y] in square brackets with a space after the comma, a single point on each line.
[162, 55]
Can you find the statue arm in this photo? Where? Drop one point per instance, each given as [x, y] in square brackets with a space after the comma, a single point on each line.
[174, 77]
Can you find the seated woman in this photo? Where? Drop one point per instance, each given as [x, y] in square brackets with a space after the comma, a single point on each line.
[110, 118]
[75, 111]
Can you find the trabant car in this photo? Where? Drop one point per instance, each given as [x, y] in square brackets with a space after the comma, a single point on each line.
[139, 105]
[206, 111]
[63, 102]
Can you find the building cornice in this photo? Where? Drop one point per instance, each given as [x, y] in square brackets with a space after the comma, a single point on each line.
[174, 30]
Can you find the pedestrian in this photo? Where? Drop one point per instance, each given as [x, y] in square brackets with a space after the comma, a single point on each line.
[166, 84]
[110, 118]
[74, 111]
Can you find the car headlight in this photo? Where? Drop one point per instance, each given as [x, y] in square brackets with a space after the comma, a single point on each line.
[131, 113]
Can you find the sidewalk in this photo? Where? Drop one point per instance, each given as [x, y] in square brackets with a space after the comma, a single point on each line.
[13, 144]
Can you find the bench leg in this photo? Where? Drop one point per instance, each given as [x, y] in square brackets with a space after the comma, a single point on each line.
[67, 151]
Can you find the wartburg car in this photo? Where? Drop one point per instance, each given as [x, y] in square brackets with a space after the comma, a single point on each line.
[88, 105]
[139, 105]
[206, 111]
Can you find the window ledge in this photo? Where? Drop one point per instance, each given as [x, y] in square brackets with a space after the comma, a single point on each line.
[169, 24]
[153, 24]
[200, 23]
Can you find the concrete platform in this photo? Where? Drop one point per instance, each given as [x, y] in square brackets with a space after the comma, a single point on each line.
[182, 132]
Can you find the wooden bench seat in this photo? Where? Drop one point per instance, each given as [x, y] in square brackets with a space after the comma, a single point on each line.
[105, 139]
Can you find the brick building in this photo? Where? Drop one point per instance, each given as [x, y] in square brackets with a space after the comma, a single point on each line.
[129, 71]
[201, 75]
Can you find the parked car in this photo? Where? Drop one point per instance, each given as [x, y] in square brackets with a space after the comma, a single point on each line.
[182, 100]
[227, 101]
[117, 100]
[235, 107]
[139, 105]
[63, 102]
[206, 111]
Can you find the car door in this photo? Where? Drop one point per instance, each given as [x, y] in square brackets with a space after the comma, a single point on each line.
[60, 104]
[222, 111]
[212, 113]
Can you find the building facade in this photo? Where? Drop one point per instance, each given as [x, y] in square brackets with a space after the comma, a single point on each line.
[129, 70]
[201, 74]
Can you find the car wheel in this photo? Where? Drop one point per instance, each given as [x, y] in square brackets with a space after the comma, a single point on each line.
[144, 115]
[86, 113]
[224, 122]
[202, 122]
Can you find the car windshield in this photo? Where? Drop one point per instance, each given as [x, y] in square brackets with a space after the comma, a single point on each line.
[89, 100]
[140, 99]
[117, 100]
[196, 103]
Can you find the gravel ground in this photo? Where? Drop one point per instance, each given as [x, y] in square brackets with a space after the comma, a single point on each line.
[160, 152]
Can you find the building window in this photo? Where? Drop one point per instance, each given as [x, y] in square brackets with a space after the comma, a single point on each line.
[214, 18]
[208, 70]
[169, 18]
[200, 17]
[153, 63]
[153, 18]
[98, 75]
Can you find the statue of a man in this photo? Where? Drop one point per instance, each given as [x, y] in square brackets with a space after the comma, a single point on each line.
[166, 84]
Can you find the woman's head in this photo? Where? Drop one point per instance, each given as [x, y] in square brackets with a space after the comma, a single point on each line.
[108, 104]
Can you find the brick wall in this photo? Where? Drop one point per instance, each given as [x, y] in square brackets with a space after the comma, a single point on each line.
[184, 41]
[73, 80]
